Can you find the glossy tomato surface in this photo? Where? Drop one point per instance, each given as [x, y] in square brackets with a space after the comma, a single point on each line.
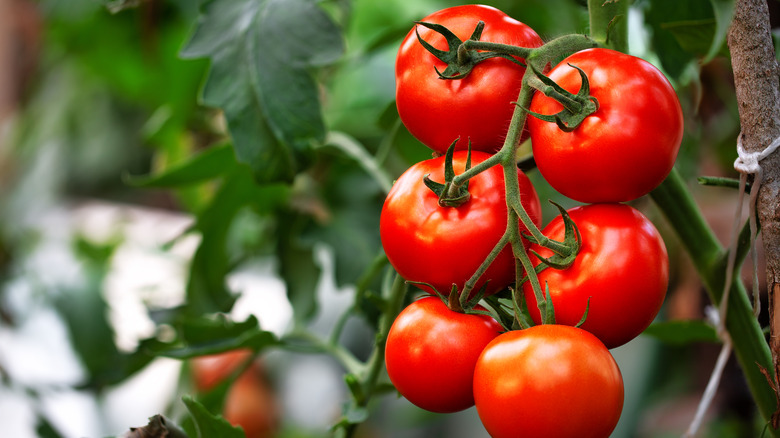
[443, 246]
[478, 107]
[622, 267]
[431, 352]
[623, 150]
[548, 381]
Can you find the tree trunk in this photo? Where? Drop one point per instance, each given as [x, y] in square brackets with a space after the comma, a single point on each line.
[757, 80]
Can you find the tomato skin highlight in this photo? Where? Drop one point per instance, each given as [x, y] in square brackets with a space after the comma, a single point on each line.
[443, 246]
[548, 381]
[431, 352]
[478, 107]
[623, 150]
[622, 267]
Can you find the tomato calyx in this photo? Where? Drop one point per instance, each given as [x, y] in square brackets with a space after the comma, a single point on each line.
[450, 194]
[564, 252]
[459, 58]
[576, 107]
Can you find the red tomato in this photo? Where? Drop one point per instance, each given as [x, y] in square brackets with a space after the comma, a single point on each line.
[443, 246]
[250, 401]
[251, 404]
[622, 267]
[477, 107]
[548, 381]
[209, 371]
[431, 352]
[623, 150]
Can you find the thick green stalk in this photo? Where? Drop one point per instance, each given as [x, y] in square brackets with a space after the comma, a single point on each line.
[750, 347]
[609, 23]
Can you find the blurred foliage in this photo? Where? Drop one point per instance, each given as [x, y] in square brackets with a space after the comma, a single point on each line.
[278, 138]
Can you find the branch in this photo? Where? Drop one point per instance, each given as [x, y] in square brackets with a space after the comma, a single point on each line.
[758, 97]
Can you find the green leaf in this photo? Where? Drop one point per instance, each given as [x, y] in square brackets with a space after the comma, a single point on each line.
[262, 53]
[210, 335]
[663, 15]
[297, 267]
[206, 289]
[682, 332]
[207, 165]
[724, 12]
[209, 425]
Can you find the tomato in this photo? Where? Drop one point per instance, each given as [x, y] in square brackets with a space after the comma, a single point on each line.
[251, 404]
[548, 381]
[431, 352]
[623, 150]
[250, 401]
[208, 371]
[622, 267]
[477, 107]
[443, 246]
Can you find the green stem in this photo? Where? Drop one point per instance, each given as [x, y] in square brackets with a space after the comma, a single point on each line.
[314, 343]
[376, 362]
[750, 347]
[469, 286]
[609, 23]
[488, 46]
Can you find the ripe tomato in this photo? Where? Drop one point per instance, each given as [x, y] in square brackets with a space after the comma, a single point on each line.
[209, 371]
[477, 107]
[250, 401]
[623, 150]
[622, 267]
[548, 381]
[251, 404]
[443, 246]
[431, 352]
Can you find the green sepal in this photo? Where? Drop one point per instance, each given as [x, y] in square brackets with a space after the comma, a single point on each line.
[522, 314]
[564, 253]
[576, 107]
[459, 61]
[548, 316]
[584, 315]
[443, 190]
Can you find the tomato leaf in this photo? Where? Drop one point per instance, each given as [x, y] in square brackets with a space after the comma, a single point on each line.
[297, 267]
[209, 425]
[210, 335]
[207, 165]
[724, 12]
[257, 48]
[682, 332]
[672, 21]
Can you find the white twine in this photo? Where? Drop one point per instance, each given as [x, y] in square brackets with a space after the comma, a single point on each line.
[747, 163]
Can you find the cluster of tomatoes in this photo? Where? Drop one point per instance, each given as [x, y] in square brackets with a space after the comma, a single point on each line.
[550, 379]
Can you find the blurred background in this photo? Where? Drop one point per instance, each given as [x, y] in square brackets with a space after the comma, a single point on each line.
[93, 258]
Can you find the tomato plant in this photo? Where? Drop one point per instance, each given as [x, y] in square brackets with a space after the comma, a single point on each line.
[548, 381]
[476, 108]
[620, 274]
[442, 246]
[431, 352]
[623, 150]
